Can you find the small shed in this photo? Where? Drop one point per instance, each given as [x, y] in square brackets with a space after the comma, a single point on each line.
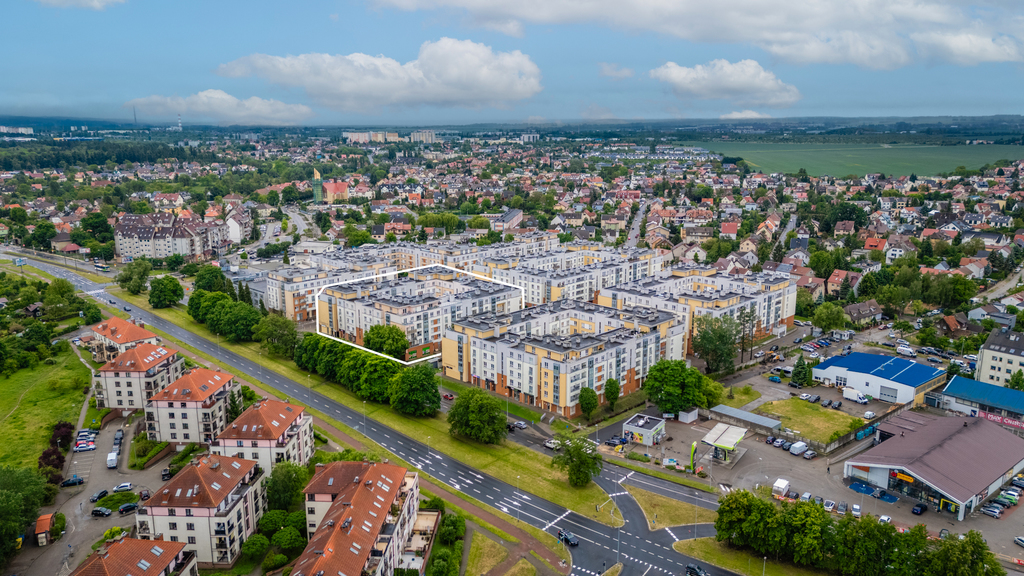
[644, 429]
[43, 526]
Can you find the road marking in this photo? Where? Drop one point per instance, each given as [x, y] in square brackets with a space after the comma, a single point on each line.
[669, 530]
[556, 520]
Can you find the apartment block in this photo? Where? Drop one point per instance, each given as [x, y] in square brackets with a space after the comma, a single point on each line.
[131, 379]
[423, 305]
[212, 506]
[162, 234]
[135, 557]
[544, 355]
[191, 409]
[360, 515]
[116, 336]
[269, 432]
[1000, 357]
[406, 255]
[292, 291]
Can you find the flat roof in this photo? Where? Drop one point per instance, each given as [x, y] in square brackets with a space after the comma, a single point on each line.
[747, 416]
[894, 369]
[988, 394]
[724, 436]
[960, 456]
[644, 421]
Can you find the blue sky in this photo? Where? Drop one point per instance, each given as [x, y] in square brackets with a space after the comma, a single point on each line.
[383, 62]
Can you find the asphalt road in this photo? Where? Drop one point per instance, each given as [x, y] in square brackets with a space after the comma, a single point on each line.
[634, 231]
[640, 549]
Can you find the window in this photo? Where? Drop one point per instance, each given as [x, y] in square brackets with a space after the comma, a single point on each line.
[174, 538]
[184, 415]
[174, 436]
[310, 510]
[182, 406]
[238, 443]
[173, 426]
[191, 539]
[185, 436]
[188, 511]
[190, 526]
[120, 402]
[255, 444]
[172, 511]
[172, 526]
[255, 455]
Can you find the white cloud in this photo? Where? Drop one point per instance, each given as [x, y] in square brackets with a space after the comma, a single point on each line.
[451, 73]
[744, 115]
[883, 34]
[223, 108]
[93, 4]
[612, 70]
[744, 83]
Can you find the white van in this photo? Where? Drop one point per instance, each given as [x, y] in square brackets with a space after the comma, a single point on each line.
[112, 460]
[798, 448]
[906, 351]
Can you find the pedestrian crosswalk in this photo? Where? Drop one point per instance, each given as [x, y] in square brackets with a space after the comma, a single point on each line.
[725, 488]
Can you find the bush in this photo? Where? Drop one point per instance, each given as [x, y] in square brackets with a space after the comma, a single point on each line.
[287, 571]
[272, 521]
[452, 529]
[63, 432]
[114, 501]
[274, 561]
[638, 457]
[435, 503]
[114, 533]
[256, 546]
[59, 523]
[155, 449]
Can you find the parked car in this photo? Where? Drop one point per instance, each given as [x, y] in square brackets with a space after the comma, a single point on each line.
[934, 359]
[798, 340]
[869, 415]
[826, 403]
[805, 396]
[814, 355]
[787, 445]
[97, 496]
[837, 404]
[144, 495]
[568, 537]
[810, 455]
[759, 353]
[774, 348]
[126, 309]
[972, 357]
[448, 396]
[779, 442]
[75, 481]
[829, 505]
[520, 424]
[805, 497]
[819, 500]
[884, 519]
[1019, 541]
[991, 512]
[127, 507]
[123, 487]
[99, 511]
[695, 570]
[919, 509]
[855, 510]
[769, 440]
[165, 474]
[814, 399]
[775, 379]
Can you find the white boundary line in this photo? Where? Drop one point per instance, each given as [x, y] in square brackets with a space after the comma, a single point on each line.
[316, 315]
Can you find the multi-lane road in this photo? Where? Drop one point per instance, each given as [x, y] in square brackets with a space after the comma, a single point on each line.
[640, 550]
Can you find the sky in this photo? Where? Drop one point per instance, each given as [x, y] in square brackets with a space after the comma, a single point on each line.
[424, 62]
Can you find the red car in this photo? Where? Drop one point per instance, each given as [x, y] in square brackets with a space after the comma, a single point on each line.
[448, 396]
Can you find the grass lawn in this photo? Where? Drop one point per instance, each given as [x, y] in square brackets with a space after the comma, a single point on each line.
[504, 461]
[484, 554]
[35, 399]
[669, 512]
[808, 419]
[114, 501]
[93, 415]
[741, 396]
[676, 477]
[614, 570]
[521, 568]
[10, 268]
[740, 561]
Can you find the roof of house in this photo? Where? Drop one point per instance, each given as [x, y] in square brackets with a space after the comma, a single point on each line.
[899, 370]
[131, 557]
[122, 331]
[348, 531]
[730, 227]
[197, 385]
[988, 394]
[961, 456]
[861, 310]
[264, 420]
[202, 484]
[139, 359]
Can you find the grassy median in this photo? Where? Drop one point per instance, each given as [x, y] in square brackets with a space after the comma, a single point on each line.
[662, 511]
[741, 561]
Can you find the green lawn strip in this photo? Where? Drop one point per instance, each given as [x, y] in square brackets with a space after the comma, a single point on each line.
[513, 408]
[614, 570]
[741, 561]
[740, 397]
[545, 562]
[676, 477]
[522, 568]
[78, 270]
[808, 419]
[114, 501]
[664, 511]
[484, 554]
[93, 415]
[243, 567]
[35, 399]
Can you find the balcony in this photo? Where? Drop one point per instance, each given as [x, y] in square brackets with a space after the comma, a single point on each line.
[150, 417]
[221, 544]
[237, 495]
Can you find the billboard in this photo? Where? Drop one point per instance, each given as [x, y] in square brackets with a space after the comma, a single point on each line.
[84, 250]
[1002, 420]
[19, 261]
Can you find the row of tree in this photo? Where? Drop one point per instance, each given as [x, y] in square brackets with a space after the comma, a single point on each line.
[805, 534]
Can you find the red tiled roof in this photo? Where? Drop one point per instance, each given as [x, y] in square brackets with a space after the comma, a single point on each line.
[128, 556]
[264, 420]
[197, 385]
[204, 484]
[122, 331]
[139, 359]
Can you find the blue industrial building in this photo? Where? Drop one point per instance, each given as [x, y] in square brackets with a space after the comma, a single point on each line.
[886, 378]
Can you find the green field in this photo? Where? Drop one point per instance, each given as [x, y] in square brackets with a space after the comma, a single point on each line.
[843, 159]
[809, 419]
[34, 399]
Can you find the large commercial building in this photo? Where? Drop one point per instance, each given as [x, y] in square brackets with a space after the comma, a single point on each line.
[995, 403]
[212, 505]
[127, 382]
[885, 378]
[359, 515]
[423, 305]
[950, 463]
[1000, 356]
[269, 432]
[544, 355]
[191, 409]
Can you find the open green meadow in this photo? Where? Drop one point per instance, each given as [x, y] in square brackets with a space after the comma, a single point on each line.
[843, 159]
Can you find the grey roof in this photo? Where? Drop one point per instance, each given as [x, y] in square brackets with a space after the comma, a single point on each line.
[959, 456]
[747, 417]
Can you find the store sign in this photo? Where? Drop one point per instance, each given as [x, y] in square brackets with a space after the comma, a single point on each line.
[1002, 420]
[904, 477]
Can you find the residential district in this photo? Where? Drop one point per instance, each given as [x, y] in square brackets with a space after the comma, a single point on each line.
[655, 340]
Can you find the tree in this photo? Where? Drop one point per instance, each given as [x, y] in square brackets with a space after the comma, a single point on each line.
[715, 341]
[165, 292]
[452, 529]
[211, 279]
[375, 377]
[195, 305]
[970, 555]
[289, 540]
[174, 262]
[895, 298]
[579, 459]
[611, 393]
[234, 409]
[478, 223]
[747, 320]
[276, 334]
[829, 317]
[284, 487]
[477, 415]
[674, 387]
[779, 252]
[134, 276]
[256, 546]
[272, 521]
[297, 520]
[190, 269]
[902, 326]
[414, 391]
[799, 376]
[588, 402]
[1016, 381]
[804, 302]
[387, 339]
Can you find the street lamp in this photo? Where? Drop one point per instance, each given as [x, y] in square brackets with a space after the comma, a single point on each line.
[364, 419]
[764, 563]
[309, 392]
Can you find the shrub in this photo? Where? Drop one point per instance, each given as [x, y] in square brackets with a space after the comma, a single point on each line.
[113, 533]
[453, 528]
[435, 503]
[272, 521]
[63, 432]
[52, 457]
[289, 540]
[638, 457]
[114, 501]
[140, 463]
[256, 546]
[274, 561]
[59, 523]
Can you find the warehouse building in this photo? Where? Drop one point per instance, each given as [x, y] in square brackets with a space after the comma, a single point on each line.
[885, 378]
[1004, 406]
[951, 463]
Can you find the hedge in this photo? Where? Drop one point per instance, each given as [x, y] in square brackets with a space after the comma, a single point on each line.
[141, 462]
[182, 458]
[638, 457]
